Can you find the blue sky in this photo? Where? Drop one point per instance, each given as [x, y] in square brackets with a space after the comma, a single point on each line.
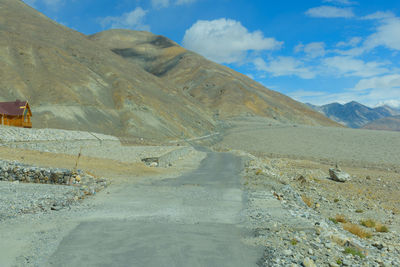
[317, 51]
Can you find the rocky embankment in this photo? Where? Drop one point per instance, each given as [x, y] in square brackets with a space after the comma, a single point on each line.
[287, 214]
[88, 144]
[15, 134]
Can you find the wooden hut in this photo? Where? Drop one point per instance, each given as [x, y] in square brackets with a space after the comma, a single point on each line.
[16, 113]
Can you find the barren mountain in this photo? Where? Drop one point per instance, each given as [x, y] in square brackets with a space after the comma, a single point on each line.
[391, 123]
[124, 83]
[71, 82]
[221, 90]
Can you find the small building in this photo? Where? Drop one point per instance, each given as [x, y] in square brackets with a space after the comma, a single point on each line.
[16, 113]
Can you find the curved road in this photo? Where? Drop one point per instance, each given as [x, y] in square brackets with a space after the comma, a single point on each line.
[192, 220]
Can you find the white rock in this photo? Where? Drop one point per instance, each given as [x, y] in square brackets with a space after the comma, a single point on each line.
[328, 245]
[339, 175]
[287, 252]
[307, 262]
[153, 164]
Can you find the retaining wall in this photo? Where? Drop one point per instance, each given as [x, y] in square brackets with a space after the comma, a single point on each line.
[16, 171]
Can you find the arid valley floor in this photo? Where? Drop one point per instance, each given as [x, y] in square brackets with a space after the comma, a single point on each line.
[257, 194]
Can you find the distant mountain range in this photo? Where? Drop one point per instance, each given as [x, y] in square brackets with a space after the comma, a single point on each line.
[356, 115]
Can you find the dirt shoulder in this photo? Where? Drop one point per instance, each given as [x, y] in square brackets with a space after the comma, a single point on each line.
[97, 166]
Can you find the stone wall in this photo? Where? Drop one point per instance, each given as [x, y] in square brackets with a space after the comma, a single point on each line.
[18, 172]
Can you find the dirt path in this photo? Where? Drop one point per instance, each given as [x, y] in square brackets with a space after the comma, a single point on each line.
[192, 220]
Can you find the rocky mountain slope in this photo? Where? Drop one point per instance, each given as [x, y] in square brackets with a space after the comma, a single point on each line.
[354, 114]
[388, 124]
[124, 83]
[73, 83]
[222, 91]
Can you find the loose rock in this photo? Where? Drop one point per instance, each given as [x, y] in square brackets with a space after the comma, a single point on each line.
[338, 175]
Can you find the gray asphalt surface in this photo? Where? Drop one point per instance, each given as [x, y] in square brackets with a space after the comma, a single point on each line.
[193, 220]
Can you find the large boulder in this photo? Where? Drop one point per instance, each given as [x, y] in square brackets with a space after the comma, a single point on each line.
[338, 175]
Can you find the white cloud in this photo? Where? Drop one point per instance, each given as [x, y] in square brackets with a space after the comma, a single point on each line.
[353, 48]
[324, 97]
[379, 15]
[371, 97]
[348, 66]
[383, 89]
[394, 103]
[130, 20]
[312, 50]
[340, 2]
[299, 94]
[352, 42]
[160, 3]
[284, 66]
[167, 3]
[330, 12]
[225, 40]
[299, 48]
[387, 35]
[382, 83]
[353, 52]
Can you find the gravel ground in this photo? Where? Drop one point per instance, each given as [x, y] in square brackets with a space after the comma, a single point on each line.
[319, 143]
[295, 234]
[16, 134]
[17, 199]
[293, 206]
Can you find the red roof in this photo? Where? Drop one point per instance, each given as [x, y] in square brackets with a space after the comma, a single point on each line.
[13, 108]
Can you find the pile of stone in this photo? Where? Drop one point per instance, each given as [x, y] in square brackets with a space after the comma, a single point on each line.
[18, 172]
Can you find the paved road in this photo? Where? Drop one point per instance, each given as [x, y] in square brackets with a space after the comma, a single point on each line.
[193, 220]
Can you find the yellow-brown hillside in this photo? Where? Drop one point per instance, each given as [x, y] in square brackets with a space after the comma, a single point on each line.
[125, 83]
